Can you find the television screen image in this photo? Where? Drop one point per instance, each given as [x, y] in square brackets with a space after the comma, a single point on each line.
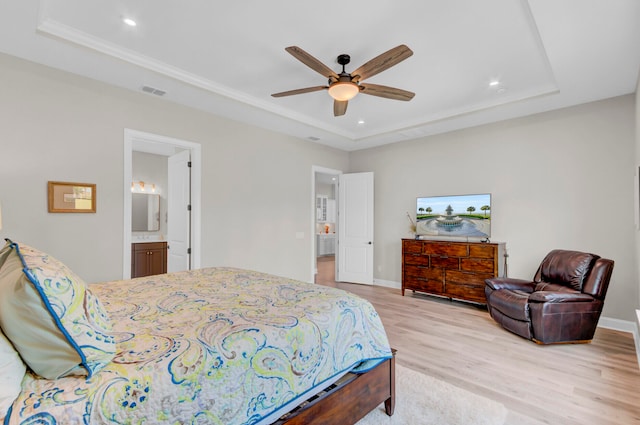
[457, 215]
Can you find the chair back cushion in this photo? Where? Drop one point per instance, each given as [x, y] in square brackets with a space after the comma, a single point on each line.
[598, 280]
[567, 268]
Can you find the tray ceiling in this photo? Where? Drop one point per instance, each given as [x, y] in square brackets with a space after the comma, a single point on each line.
[228, 57]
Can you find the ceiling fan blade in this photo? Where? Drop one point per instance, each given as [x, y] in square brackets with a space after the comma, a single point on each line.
[311, 62]
[382, 62]
[300, 91]
[339, 107]
[387, 92]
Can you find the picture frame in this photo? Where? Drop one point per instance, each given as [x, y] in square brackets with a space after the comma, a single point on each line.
[68, 197]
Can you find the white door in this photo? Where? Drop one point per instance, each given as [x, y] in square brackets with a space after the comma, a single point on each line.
[355, 228]
[179, 214]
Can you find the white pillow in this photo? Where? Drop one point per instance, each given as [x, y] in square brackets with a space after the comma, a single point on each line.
[12, 370]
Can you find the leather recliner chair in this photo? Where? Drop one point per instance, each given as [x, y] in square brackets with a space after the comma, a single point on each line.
[562, 303]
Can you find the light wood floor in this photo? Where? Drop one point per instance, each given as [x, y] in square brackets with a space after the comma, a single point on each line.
[569, 384]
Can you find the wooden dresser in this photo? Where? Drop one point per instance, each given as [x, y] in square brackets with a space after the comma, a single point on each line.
[148, 258]
[450, 269]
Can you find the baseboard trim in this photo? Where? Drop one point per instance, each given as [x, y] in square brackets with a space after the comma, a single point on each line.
[617, 324]
[387, 283]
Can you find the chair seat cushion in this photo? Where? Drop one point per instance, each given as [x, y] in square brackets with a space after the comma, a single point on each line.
[496, 283]
[555, 287]
[512, 303]
[560, 297]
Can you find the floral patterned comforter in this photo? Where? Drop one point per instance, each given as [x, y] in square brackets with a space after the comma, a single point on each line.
[210, 346]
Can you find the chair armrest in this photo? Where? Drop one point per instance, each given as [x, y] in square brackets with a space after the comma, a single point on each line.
[559, 297]
[510, 283]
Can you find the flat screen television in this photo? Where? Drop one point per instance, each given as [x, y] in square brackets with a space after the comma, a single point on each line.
[454, 216]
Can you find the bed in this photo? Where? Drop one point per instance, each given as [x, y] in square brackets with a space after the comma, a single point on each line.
[209, 346]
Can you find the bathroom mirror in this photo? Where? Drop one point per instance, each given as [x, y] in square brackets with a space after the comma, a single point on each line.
[145, 212]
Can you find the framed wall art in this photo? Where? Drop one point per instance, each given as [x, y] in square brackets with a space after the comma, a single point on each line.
[65, 197]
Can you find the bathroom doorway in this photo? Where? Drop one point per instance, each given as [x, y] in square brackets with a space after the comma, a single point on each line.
[136, 141]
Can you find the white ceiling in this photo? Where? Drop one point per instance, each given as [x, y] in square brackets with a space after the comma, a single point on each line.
[228, 57]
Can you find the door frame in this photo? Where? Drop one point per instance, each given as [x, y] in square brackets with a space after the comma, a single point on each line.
[135, 140]
[314, 255]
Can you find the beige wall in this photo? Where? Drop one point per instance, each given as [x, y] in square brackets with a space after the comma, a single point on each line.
[561, 179]
[256, 184]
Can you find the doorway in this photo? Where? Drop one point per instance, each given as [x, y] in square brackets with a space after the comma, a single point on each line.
[324, 224]
[136, 141]
[353, 226]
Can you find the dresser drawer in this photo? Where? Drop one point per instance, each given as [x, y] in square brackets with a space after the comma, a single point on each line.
[423, 279]
[467, 279]
[445, 262]
[411, 247]
[482, 251]
[416, 260]
[466, 292]
[429, 286]
[417, 272]
[477, 265]
[446, 249]
[469, 286]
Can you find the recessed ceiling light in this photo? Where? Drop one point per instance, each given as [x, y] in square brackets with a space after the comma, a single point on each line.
[360, 122]
[129, 22]
[494, 83]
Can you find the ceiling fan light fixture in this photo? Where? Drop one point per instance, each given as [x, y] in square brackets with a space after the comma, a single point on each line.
[343, 90]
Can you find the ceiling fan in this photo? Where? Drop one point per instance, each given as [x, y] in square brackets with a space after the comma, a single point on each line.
[344, 86]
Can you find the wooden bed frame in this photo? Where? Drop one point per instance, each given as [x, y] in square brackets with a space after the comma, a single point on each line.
[350, 399]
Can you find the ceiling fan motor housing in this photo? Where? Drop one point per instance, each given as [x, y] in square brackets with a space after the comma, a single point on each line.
[343, 60]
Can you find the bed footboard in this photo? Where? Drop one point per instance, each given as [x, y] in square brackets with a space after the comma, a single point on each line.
[350, 399]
